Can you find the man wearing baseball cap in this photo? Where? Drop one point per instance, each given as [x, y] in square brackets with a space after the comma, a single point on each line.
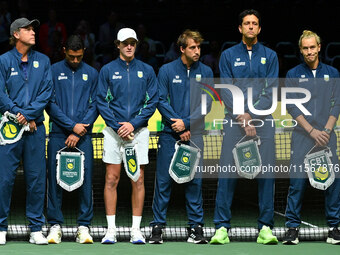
[23, 23]
[126, 99]
[25, 89]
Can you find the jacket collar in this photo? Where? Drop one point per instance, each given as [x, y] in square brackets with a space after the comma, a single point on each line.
[124, 64]
[18, 55]
[184, 66]
[319, 67]
[68, 66]
[254, 48]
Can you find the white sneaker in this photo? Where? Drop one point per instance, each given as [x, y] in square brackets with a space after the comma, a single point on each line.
[83, 235]
[55, 234]
[3, 237]
[110, 236]
[136, 236]
[38, 238]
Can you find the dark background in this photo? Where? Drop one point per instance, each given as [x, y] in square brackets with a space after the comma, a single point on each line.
[282, 20]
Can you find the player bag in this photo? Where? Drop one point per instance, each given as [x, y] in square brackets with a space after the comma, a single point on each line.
[319, 167]
[70, 168]
[184, 162]
[247, 157]
[10, 130]
[130, 159]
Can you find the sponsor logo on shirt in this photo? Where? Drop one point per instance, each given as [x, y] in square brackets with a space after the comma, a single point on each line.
[177, 79]
[238, 63]
[13, 72]
[303, 78]
[62, 77]
[116, 76]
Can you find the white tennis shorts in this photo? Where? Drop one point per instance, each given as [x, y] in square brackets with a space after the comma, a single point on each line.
[113, 143]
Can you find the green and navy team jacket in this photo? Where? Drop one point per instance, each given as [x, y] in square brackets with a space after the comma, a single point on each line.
[324, 89]
[260, 71]
[25, 87]
[74, 97]
[127, 92]
[178, 98]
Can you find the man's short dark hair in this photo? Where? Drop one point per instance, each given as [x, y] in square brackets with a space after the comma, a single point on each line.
[74, 42]
[195, 35]
[249, 12]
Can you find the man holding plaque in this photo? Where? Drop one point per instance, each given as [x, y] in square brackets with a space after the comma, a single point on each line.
[72, 113]
[127, 98]
[313, 133]
[25, 89]
[246, 65]
[179, 105]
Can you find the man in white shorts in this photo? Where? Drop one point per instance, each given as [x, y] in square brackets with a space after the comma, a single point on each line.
[113, 142]
[127, 97]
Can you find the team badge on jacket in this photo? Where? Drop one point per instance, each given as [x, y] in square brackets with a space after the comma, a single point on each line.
[326, 77]
[35, 64]
[85, 77]
[263, 61]
[140, 74]
[198, 77]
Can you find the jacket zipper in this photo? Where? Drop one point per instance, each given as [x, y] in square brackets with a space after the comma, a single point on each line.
[128, 94]
[314, 89]
[72, 99]
[27, 92]
[187, 98]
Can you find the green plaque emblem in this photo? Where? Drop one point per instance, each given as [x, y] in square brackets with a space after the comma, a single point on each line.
[319, 167]
[184, 162]
[247, 157]
[70, 168]
[130, 160]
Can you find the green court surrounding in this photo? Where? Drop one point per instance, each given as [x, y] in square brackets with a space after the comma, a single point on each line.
[178, 248]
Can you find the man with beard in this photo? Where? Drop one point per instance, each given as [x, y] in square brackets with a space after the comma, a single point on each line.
[177, 106]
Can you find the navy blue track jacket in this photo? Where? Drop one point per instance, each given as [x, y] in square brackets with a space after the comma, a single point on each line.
[74, 97]
[27, 94]
[127, 92]
[179, 100]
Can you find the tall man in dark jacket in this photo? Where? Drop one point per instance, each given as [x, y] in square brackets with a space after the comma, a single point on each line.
[72, 110]
[25, 89]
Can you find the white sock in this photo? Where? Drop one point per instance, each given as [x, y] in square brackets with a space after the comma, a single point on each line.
[136, 221]
[111, 221]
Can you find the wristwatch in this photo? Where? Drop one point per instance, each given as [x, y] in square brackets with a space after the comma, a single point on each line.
[327, 130]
